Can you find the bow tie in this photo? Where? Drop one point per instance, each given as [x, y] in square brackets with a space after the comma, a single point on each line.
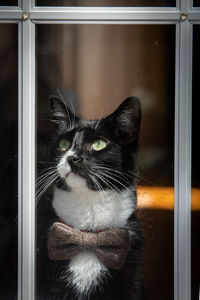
[111, 246]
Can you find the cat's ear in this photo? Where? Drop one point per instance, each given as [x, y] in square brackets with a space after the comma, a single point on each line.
[61, 113]
[126, 119]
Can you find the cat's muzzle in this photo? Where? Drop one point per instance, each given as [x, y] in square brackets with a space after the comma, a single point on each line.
[76, 164]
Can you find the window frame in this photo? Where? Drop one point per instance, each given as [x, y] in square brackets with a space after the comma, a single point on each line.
[26, 15]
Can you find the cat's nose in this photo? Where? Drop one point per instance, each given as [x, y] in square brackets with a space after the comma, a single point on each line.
[74, 159]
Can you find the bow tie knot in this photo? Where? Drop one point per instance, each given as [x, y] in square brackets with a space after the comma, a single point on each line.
[111, 245]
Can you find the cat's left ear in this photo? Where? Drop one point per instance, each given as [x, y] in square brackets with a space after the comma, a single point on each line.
[127, 119]
[61, 113]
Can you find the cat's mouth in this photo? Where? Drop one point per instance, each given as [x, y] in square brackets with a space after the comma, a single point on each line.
[73, 174]
[75, 180]
[68, 173]
[77, 170]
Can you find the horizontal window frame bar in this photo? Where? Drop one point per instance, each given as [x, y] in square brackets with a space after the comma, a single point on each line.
[194, 15]
[108, 22]
[103, 8]
[14, 13]
[105, 15]
[150, 9]
[195, 8]
[59, 14]
[9, 21]
[10, 8]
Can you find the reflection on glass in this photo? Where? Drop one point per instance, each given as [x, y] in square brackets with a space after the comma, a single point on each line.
[166, 3]
[8, 3]
[96, 67]
[195, 167]
[8, 164]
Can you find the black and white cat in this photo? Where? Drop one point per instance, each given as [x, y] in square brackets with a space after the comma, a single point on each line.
[95, 190]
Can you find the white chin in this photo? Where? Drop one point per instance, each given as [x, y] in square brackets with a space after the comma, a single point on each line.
[74, 180]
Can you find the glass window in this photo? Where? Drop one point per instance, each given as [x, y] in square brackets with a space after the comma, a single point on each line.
[195, 167]
[8, 164]
[94, 68]
[8, 3]
[121, 3]
[196, 3]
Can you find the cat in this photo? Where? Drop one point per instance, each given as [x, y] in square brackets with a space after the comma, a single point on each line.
[94, 191]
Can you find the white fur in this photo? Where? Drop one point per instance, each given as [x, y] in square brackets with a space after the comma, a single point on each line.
[83, 208]
[86, 272]
[63, 167]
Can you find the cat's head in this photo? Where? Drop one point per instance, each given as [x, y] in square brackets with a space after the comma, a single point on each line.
[98, 153]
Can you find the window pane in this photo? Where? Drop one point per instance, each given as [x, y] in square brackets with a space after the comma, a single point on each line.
[196, 3]
[167, 3]
[8, 164]
[8, 3]
[96, 67]
[195, 168]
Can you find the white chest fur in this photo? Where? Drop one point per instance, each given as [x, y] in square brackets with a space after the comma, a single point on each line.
[86, 209]
[83, 208]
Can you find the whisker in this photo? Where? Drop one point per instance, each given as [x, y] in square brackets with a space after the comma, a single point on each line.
[48, 183]
[108, 184]
[118, 175]
[104, 174]
[63, 99]
[112, 185]
[73, 110]
[93, 180]
[126, 174]
[99, 186]
[111, 169]
[45, 170]
[102, 189]
[46, 175]
[142, 178]
[45, 179]
[46, 162]
[100, 119]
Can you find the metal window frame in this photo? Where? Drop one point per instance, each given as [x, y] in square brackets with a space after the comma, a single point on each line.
[26, 116]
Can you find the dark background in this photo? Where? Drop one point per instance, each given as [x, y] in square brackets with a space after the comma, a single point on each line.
[106, 2]
[97, 67]
[8, 161]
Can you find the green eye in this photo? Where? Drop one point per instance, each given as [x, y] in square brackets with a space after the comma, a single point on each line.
[99, 145]
[64, 144]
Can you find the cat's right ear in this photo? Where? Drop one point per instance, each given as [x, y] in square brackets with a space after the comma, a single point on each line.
[61, 114]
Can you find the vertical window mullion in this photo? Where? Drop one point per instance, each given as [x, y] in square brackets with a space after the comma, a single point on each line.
[182, 234]
[20, 158]
[26, 286]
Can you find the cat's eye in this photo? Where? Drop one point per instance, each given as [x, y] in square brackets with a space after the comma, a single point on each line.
[99, 145]
[64, 145]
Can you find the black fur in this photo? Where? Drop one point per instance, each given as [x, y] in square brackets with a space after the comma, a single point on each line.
[121, 131]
